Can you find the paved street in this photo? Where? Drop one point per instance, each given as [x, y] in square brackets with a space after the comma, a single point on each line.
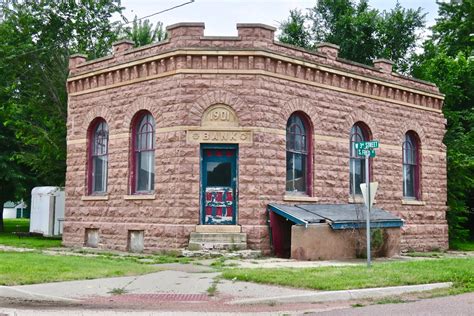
[442, 306]
[452, 305]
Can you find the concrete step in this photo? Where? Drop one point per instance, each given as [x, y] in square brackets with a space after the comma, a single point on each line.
[218, 229]
[219, 237]
[216, 246]
[209, 241]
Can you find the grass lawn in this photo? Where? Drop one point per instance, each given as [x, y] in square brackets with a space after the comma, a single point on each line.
[462, 245]
[460, 271]
[22, 225]
[32, 267]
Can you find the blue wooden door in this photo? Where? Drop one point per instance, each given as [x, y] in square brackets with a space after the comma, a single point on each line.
[218, 184]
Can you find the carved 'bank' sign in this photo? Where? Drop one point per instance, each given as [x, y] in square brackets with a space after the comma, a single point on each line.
[220, 125]
[219, 136]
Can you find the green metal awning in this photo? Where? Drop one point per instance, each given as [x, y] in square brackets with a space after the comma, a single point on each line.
[338, 216]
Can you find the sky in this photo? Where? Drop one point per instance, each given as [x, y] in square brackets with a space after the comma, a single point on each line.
[221, 16]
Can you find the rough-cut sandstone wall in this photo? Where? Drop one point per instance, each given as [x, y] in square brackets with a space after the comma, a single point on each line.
[177, 80]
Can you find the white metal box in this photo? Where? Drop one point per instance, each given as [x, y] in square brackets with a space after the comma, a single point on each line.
[47, 210]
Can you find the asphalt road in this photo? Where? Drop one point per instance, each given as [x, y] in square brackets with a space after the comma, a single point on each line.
[450, 305]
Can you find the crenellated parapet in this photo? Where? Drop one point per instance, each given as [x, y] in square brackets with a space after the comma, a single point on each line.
[252, 52]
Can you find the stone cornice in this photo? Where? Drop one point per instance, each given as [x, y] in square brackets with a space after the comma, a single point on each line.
[261, 62]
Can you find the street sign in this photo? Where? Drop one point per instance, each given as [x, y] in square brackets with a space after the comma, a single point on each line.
[367, 145]
[364, 152]
[373, 190]
[367, 150]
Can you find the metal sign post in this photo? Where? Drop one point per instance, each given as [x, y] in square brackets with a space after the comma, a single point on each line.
[367, 203]
[367, 150]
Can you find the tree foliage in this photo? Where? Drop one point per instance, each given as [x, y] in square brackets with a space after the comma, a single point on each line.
[296, 32]
[143, 33]
[363, 33]
[454, 29]
[36, 39]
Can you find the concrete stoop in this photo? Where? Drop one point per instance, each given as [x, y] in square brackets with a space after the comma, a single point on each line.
[217, 241]
[237, 254]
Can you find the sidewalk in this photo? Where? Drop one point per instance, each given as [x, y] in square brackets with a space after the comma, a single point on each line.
[188, 283]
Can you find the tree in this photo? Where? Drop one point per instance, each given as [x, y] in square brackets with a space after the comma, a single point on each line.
[294, 31]
[398, 35]
[362, 33]
[143, 33]
[454, 29]
[36, 39]
[10, 172]
[455, 78]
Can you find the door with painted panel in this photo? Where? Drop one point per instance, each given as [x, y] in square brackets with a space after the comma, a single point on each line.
[218, 185]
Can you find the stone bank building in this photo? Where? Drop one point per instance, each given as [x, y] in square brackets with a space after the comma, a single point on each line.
[200, 134]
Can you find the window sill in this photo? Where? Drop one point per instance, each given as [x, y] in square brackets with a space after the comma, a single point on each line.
[413, 202]
[300, 198]
[139, 197]
[358, 199]
[95, 198]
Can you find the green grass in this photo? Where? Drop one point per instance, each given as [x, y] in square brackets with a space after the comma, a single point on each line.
[429, 254]
[117, 291]
[212, 289]
[32, 267]
[462, 245]
[156, 258]
[460, 271]
[160, 259]
[7, 237]
[390, 300]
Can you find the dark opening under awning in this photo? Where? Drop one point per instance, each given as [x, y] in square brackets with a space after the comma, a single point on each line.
[338, 216]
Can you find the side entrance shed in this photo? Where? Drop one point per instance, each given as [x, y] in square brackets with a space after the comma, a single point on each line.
[331, 231]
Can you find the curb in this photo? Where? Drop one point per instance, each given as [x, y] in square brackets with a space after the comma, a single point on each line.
[345, 295]
[6, 291]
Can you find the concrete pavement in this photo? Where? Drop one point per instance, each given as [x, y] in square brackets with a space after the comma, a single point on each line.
[179, 280]
[168, 281]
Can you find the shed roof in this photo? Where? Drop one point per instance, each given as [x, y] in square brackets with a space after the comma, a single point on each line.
[10, 204]
[296, 214]
[338, 216]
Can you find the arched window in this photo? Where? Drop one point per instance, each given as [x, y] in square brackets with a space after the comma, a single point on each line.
[411, 173]
[359, 133]
[98, 157]
[143, 173]
[298, 157]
